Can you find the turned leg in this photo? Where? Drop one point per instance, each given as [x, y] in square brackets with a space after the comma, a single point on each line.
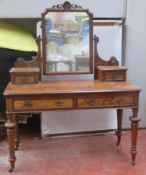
[119, 124]
[134, 127]
[15, 118]
[10, 125]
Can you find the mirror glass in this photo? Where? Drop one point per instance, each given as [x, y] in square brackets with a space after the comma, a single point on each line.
[67, 39]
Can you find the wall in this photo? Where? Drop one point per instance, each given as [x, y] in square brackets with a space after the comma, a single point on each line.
[33, 8]
[135, 51]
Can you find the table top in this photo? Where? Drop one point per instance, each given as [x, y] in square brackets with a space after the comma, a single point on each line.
[24, 69]
[112, 68]
[68, 87]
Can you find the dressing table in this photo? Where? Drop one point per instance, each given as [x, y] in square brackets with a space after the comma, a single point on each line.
[67, 33]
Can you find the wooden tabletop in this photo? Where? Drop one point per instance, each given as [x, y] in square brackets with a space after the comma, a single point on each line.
[69, 86]
[24, 69]
[113, 68]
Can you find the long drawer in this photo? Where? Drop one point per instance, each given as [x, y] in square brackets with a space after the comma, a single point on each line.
[42, 104]
[118, 76]
[68, 103]
[105, 102]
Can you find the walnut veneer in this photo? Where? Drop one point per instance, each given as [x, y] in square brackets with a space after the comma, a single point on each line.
[111, 73]
[25, 75]
[57, 95]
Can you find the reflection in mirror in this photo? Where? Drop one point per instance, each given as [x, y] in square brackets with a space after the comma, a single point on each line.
[67, 42]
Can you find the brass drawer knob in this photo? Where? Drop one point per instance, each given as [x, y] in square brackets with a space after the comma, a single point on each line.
[91, 102]
[28, 104]
[120, 101]
[58, 103]
[24, 79]
[115, 76]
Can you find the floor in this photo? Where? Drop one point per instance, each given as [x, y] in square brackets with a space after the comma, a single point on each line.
[86, 155]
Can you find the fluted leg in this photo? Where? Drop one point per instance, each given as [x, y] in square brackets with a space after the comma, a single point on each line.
[119, 124]
[10, 125]
[15, 118]
[134, 127]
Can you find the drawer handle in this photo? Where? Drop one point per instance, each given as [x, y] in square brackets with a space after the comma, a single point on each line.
[25, 79]
[91, 102]
[28, 104]
[120, 101]
[115, 76]
[58, 103]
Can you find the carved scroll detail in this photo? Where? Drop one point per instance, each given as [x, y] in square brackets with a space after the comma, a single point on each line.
[22, 63]
[101, 62]
[66, 5]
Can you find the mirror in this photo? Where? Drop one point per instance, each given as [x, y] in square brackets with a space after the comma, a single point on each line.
[67, 40]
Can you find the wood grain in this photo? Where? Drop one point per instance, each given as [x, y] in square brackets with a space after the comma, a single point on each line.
[69, 86]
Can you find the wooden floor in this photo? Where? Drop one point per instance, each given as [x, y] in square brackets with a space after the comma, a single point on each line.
[88, 155]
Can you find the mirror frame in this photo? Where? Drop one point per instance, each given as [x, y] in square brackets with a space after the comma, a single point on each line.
[67, 7]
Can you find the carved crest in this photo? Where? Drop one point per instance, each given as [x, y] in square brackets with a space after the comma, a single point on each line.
[66, 5]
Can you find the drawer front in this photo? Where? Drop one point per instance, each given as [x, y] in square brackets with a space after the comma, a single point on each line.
[24, 79]
[42, 104]
[105, 102]
[115, 76]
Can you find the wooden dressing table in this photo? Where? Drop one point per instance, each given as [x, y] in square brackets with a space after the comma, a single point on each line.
[65, 95]
[31, 96]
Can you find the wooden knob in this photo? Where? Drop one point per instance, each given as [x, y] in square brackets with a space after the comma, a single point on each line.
[28, 104]
[58, 103]
[91, 102]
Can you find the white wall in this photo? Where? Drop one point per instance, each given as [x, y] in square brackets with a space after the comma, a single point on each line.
[33, 8]
[135, 51]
